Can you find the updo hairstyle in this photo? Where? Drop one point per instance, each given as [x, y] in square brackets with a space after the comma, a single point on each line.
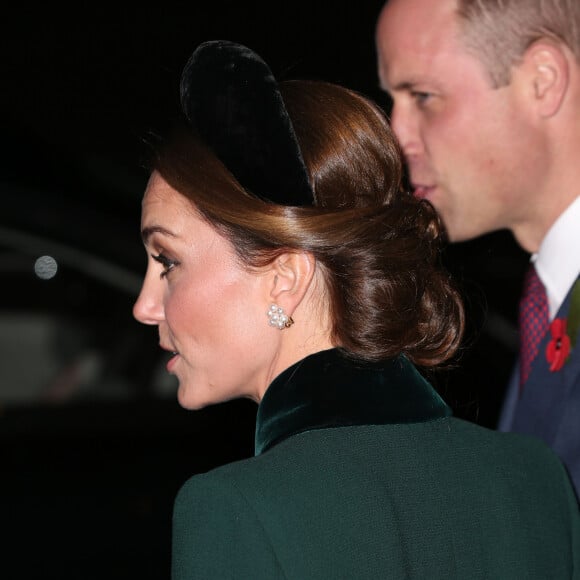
[377, 246]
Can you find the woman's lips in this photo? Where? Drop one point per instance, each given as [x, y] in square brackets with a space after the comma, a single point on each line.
[172, 361]
[175, 355]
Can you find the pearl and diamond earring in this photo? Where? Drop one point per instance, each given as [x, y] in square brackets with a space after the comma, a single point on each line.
[278, 318]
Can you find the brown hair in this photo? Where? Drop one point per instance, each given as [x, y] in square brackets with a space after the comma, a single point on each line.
[378, 247]
[500, 31]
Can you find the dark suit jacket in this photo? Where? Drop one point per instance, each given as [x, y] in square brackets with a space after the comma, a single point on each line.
[549, 405]
[361, 473]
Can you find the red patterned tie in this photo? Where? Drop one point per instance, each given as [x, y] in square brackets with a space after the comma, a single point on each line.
[534, 321]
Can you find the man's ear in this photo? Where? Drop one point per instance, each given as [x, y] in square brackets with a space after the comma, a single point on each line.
[292, 275]
[546, 66]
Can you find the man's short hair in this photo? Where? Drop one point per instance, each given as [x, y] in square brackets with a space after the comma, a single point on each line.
[499, 32]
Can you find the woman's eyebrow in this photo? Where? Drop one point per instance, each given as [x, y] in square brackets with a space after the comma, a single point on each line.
[147, 232]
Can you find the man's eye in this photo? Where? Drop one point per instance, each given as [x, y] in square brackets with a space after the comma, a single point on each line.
[420, 97]
[167, 263]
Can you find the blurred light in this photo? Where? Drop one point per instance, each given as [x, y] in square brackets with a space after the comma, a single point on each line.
[45, 267]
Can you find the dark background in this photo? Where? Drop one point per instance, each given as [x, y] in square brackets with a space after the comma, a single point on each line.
[88, 473]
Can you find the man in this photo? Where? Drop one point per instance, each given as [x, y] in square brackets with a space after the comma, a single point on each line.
[486, 105]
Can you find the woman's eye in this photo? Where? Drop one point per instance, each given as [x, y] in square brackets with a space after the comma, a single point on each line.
[167, 263]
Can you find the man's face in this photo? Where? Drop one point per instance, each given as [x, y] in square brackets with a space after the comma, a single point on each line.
[466, 143]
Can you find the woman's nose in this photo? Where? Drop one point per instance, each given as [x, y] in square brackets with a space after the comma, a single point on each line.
[148, 309]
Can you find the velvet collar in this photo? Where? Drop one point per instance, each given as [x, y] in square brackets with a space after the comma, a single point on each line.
[327, 389]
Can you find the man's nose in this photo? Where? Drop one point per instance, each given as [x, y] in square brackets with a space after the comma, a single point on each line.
[405, 129]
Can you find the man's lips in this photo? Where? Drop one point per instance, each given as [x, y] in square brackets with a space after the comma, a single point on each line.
[422, 191]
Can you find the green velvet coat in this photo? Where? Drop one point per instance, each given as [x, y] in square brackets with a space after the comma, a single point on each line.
[362, 473]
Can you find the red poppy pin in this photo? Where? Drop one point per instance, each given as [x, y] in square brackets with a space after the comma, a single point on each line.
[564, 332]
[559, 346]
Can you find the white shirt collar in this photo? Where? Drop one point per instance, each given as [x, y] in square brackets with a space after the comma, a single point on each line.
[558, 259]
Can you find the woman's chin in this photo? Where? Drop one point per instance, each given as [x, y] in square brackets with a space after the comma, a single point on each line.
[189, 399]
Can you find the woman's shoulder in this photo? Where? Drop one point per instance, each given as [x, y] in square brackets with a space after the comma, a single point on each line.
[509, 442]
[230, 479]
[514, 453]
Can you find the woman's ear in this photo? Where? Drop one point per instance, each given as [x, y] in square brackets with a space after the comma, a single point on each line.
[546, 68]
[292, 275]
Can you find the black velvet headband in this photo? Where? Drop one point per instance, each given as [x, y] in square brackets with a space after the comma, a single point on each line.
[231, 98]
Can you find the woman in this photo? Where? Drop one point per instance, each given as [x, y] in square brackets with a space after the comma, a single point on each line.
[287, 265]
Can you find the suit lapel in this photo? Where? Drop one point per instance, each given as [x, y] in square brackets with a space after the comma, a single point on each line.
[549, 401]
